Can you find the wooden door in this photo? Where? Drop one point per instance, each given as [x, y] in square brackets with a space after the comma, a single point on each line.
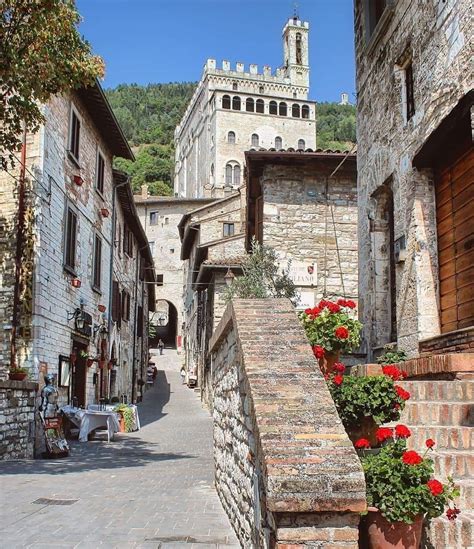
[79, 375]
[455, 225]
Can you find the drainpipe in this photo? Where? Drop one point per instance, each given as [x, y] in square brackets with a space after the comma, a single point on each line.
[19, 248]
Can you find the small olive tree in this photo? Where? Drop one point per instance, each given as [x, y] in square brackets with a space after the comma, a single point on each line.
[262, 277]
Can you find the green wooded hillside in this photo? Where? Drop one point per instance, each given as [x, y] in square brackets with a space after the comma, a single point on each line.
[149, 114]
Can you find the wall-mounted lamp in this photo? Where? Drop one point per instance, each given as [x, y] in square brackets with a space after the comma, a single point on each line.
[229, 277]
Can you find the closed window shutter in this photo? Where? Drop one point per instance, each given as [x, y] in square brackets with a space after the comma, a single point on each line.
[115, 301]
[140, 322]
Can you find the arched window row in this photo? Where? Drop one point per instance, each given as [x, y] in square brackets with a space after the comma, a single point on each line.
[282, 109]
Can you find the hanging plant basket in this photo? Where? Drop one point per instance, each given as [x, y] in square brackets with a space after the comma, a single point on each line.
[17, 376]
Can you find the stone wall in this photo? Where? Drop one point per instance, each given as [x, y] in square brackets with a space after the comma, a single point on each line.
[17, 419]
[300, 226]
[436, 37]
[286, 472]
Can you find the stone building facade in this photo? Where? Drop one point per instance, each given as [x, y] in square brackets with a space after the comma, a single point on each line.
[57, 240]
[132, 298]
[160, 217]
[415, 174]
[213, 240]
[304, 206]
[233, 110]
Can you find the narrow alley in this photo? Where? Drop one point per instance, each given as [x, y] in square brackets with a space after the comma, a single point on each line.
[152, 488]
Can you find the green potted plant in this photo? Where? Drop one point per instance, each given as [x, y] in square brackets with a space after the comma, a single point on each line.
[127, 417]
[401, 492]
[18, 374]
[392, 355]
[366, 402]
[331, 328]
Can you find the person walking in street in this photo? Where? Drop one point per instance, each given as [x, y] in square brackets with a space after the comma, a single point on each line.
[161, 345]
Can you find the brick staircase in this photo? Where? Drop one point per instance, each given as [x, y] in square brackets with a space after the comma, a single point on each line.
[444, 411]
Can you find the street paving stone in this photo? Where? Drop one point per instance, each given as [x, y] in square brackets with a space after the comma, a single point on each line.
[150, 489]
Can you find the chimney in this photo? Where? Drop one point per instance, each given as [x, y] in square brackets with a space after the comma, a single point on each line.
[144, 192]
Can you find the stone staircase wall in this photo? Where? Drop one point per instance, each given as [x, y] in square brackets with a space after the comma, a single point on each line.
[444, 411]
[286, 472]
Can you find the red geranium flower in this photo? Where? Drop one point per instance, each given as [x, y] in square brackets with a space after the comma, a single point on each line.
[339, 367]
[318, 351]
[411, 458]
[308, 311]
[351, 304]
[452, 513]
[435, 486]
[383, 433]
[430, 443]
[362, 443]
[338, 379]
[392, 371]
[342, 332]
[405, 395]
[402, 431]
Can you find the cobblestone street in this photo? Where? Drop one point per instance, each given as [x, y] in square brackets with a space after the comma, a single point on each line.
[153, 488]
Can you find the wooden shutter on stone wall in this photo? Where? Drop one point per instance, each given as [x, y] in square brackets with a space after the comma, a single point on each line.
[455, 225]
[116, 304]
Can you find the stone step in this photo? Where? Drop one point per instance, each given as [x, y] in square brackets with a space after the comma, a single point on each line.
[459, 464]
[440, 390]
[449, 438]
[419, 412]
[445, 534]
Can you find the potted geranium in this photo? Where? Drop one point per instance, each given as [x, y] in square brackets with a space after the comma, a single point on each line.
[331, 328]
[366, 402]
[401, 492]
[18, 374]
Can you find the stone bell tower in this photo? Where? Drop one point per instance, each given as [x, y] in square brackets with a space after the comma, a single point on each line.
[295, 48]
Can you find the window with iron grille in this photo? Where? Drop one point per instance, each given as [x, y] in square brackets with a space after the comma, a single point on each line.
[97, 268]
[74, 135]
[70, 240]
[100, 173]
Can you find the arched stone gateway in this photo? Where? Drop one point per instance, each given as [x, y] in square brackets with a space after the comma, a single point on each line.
[165, 322]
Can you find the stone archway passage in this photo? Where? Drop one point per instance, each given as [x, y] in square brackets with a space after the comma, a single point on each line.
[166, 322]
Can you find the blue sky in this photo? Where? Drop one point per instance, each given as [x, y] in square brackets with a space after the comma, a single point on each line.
[147, 41]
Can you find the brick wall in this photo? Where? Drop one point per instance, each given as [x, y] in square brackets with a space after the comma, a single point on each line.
[17, 403]
[286, 471]
[461, 341]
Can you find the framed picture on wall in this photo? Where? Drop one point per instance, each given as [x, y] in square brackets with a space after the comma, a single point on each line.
[64, 377]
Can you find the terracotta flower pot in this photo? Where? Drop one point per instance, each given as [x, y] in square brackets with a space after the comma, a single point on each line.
[366, 429]
[90, 362]
[326, 363]
[17, 376]
[122, 423]
[382, 534]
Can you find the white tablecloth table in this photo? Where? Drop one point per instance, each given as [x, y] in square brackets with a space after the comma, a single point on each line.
[111, 407]
[89, 420]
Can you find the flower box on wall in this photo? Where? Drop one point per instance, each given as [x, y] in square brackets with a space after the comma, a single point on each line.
[78, 180]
